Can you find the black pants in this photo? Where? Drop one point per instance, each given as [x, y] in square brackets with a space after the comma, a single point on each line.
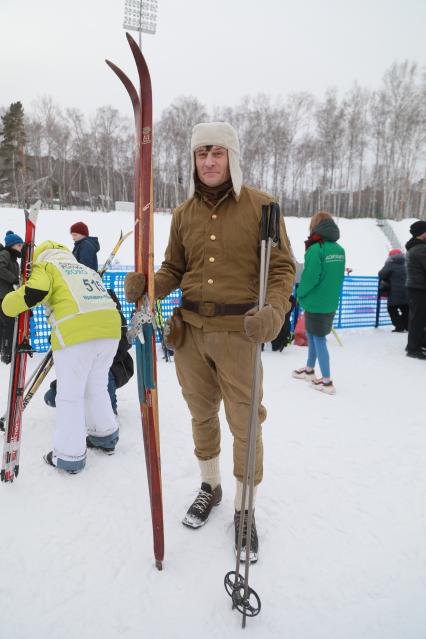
[7, 325]
[417, 319]
[399, 316]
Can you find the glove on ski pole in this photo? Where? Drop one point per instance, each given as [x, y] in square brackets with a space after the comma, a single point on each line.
[264, 325]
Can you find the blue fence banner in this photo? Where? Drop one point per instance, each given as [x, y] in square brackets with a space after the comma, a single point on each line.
[359, 304]
[359, 307]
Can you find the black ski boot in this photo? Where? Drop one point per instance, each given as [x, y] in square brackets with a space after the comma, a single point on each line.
[49, 461]
[199, 511]
[254, 541]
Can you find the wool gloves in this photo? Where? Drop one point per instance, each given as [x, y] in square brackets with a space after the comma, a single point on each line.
[264, 325]
[134, 286]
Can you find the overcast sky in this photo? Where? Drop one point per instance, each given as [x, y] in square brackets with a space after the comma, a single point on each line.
[217, 51]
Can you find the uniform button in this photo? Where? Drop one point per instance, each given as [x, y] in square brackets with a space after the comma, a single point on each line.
[214, 216]
[209, 281]
[213, 237]
[211, 259]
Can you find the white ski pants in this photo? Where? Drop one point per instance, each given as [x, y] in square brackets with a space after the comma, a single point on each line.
[83, 405]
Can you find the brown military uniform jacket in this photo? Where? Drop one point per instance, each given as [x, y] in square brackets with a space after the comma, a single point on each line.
[213, 255]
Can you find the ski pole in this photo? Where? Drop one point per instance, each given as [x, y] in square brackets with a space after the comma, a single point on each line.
[244, 598]
[34, 382]
[339, 341]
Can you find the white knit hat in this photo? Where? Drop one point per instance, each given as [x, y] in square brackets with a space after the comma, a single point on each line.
[217, 134]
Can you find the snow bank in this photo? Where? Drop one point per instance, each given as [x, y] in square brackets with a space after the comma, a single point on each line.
[365, 244]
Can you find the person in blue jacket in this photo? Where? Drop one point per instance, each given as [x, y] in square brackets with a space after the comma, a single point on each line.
[85, 247]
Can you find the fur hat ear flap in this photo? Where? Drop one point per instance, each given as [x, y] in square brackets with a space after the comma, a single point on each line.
[217, 134]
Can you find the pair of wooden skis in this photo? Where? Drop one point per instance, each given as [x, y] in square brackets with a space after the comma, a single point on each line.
[143, 322]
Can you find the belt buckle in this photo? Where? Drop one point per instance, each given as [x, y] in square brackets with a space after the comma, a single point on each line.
[207, 309]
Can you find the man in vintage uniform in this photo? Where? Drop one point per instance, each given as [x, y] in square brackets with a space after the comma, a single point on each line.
[213, 255]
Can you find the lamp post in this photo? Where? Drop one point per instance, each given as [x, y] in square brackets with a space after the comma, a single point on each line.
[140, 16]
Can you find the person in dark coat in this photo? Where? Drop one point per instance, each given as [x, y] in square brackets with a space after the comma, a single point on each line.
[416, 286]
[9, 278]
[394, 274]
[86, 246]
[122, 367]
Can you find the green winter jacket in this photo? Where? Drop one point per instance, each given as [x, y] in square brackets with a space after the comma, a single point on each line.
[323, 273]
[77, 305]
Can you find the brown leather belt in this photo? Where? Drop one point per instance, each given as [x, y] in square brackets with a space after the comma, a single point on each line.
[211, 309]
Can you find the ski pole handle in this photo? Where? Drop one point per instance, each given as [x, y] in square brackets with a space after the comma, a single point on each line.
[274, 224]
[264, 223]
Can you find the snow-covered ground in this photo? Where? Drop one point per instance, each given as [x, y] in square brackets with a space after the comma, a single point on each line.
[341, 513]
[365, 244]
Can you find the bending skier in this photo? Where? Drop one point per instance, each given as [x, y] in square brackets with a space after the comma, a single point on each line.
[122, 367]
[86, 328]
[213, 255]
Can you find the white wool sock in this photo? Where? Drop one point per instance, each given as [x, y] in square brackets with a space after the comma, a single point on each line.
[210, 471]
[239, 496]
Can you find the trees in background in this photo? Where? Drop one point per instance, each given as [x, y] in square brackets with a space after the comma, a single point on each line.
[12, 153]
[360, 155]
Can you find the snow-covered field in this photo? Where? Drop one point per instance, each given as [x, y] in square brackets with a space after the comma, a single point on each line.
[365, 244]
[341, 516]
[341, 513]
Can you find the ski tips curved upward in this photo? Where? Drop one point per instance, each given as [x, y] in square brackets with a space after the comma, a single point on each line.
[139, 57]
[130, 39]
[128, 84]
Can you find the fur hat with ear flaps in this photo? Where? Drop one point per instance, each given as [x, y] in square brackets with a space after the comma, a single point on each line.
[217, 134]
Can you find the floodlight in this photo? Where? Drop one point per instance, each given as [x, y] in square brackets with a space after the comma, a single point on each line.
[140, 15]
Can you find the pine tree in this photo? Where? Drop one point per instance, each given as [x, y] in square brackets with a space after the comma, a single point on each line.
[12, 153]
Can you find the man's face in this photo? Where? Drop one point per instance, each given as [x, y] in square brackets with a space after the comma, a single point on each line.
[212, 165]
[18, 247]
[77, 236]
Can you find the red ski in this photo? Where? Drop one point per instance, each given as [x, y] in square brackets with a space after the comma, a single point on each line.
[143, 322]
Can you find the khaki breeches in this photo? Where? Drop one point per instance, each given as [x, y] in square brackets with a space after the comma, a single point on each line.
[212, 366]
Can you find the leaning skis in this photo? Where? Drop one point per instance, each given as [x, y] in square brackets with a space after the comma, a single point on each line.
[21, 348]
[143, 323]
